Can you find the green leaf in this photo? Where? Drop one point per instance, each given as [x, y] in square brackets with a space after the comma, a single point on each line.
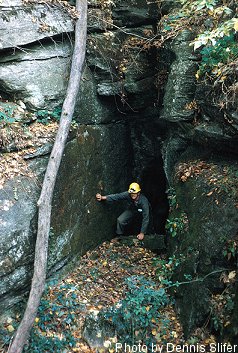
[11, 120]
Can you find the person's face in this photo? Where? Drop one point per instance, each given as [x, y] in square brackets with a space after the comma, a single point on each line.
[134, 196]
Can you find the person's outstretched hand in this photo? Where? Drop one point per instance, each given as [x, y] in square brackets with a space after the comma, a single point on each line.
[99, 197]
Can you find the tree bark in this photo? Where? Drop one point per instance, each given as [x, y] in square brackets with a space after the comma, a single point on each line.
[45, 200]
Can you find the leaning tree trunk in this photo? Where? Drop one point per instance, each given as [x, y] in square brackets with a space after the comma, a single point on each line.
[45, 200]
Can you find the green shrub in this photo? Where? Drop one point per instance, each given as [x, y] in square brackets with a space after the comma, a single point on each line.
[177, 224]
[214, 56]
[135, 317]
[6, 115]
[45, 116]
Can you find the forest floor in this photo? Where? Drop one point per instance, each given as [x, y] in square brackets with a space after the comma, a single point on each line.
[99, 282]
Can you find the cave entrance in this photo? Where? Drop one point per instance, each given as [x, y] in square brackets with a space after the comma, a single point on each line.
[154, 185]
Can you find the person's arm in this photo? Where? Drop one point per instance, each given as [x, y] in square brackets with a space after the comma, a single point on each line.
[113, 197]
[145, 219]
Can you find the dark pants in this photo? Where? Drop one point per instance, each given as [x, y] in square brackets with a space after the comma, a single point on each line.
[126, 219]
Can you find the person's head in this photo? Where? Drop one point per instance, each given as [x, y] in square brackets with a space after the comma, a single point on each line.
[134, 190]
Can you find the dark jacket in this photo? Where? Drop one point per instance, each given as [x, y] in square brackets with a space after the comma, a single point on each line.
[141, 205]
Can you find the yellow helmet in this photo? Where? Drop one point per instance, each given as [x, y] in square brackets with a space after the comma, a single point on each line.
[134, 188]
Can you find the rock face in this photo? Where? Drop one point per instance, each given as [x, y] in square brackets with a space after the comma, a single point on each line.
[204, 200]
[34, 68]
[180, 87]
[29, 73]
[141, 115]
[21, 25]
[206, 205]
[78, 222]
[18, 227]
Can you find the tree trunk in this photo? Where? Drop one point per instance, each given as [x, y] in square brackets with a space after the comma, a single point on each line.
[45, 200]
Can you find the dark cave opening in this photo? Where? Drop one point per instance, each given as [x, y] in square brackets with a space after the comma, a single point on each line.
[154, 186]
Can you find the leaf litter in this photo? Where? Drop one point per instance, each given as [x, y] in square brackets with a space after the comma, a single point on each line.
[97, 283]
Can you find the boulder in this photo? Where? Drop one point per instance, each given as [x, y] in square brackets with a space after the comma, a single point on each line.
[98, 160]
[91, 163]
[37, 75]
[18, 215]
[22, 24]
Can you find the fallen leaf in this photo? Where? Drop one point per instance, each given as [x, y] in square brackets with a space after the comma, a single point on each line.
[232, 275]
[10, 328]
[210, 193]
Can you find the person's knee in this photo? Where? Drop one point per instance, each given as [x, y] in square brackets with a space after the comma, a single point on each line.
[121, 220]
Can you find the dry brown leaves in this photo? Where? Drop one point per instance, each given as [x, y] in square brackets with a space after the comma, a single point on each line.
[103, 271]
[12, 165]
[18, 136]
[25, 140]
[189, 170]
[64, 5]
[97, 283]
